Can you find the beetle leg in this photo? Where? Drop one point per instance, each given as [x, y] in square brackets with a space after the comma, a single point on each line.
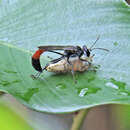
[85, 60]
[73, 74]
[72, 71]
[68, 60]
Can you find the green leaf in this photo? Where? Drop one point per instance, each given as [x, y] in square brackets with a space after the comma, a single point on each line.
[29, 24]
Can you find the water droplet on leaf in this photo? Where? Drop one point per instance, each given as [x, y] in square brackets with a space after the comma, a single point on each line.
[124, 93]
[60, 86]
[83, 92]
[110, 84]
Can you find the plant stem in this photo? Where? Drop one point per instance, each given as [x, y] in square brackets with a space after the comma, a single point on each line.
[78, 119]
[1, 93]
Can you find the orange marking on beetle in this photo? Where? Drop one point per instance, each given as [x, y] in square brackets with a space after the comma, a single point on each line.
[37, 54]
[77, 65]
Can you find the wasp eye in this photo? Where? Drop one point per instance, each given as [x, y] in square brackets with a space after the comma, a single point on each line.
[86, 50]
[88, 53]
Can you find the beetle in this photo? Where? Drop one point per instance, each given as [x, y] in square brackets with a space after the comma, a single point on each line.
[75, 64]
[68, 52]
[62, 66]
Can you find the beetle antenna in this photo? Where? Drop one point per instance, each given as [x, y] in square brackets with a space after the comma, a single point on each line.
[95, 42]
[100, 49]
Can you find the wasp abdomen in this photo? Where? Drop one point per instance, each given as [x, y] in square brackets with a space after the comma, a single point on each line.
[36, 64]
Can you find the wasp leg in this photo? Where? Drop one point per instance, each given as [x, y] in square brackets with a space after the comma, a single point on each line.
[36, 75]
[57, 60]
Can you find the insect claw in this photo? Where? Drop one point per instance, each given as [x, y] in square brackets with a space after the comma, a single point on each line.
[50, 57]
[33, 77]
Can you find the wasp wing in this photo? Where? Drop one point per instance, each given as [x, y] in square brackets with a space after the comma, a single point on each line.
[49, 48]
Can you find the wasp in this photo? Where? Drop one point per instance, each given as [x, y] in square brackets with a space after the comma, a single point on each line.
[81, 58]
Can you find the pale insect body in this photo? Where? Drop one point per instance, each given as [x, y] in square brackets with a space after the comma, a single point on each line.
[75, 64]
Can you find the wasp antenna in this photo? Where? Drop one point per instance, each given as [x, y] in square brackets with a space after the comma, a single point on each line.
[95, 42]
[100, 49]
